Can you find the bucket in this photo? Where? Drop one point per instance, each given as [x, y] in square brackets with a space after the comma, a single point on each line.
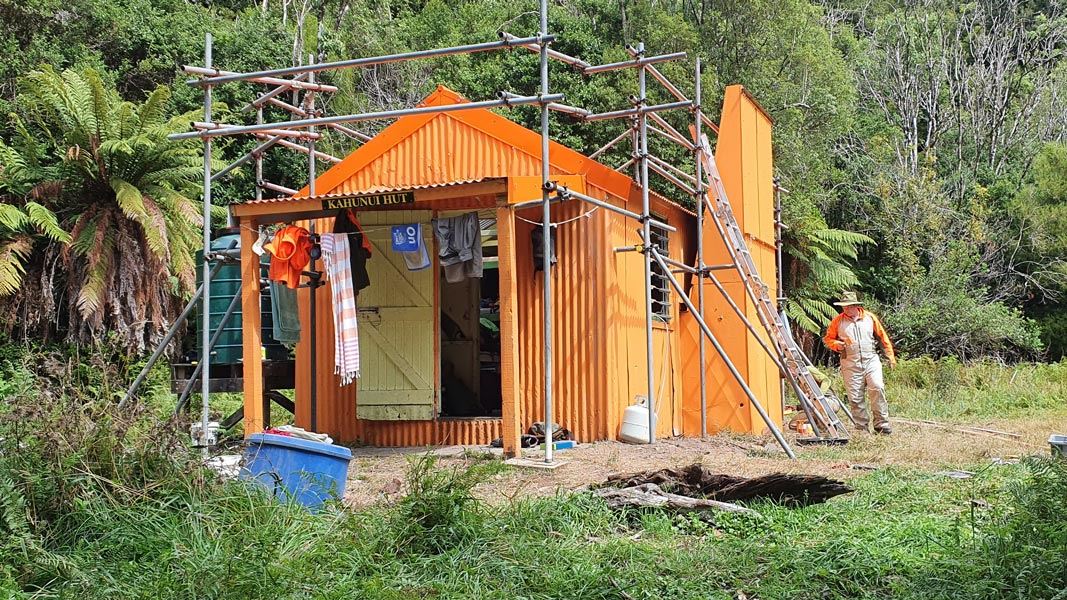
[310, 473]
[1058, 443]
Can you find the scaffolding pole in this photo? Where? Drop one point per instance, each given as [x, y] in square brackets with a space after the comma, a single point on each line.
[371, 116]
[543, 40]
[698, 117]
[205, 334]
[646, 233]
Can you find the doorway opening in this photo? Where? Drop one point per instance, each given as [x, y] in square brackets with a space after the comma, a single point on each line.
[470, 335]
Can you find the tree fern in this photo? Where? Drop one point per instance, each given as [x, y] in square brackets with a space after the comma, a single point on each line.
[127, 196]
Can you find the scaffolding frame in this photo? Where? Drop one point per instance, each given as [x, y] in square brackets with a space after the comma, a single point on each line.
[307, 118]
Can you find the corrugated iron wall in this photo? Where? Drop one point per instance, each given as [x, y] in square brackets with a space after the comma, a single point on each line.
[579, 340]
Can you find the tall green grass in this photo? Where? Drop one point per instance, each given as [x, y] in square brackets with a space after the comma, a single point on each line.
[95, 504]
[947, 389]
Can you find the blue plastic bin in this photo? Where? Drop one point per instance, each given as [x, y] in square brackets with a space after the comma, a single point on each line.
[308, 472]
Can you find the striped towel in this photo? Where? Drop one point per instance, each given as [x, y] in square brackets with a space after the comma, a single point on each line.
[336, 257]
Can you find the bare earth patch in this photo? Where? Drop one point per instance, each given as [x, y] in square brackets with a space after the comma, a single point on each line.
[376, 474]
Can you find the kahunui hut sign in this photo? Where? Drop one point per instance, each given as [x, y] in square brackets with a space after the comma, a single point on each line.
[371, 200]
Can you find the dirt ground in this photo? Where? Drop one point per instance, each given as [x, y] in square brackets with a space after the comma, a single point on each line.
[376, 474]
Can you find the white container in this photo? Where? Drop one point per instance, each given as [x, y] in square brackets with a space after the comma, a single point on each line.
[635, 423]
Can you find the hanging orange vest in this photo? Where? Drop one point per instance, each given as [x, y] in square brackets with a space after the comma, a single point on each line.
[290, 252]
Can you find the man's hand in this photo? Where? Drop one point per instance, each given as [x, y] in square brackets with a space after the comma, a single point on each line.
[892, 362]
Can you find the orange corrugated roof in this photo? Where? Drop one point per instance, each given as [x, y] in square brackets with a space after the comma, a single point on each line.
[464, 146]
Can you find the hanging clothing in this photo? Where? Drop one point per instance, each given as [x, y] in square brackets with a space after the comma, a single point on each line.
[284, 314]
[346, 222]
[408, 242]
[336, 258]
[290, 252]
[460, 240]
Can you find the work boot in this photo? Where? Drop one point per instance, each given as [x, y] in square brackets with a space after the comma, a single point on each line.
[884, 430]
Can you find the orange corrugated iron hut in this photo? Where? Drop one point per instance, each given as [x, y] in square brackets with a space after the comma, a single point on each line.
[461, 363]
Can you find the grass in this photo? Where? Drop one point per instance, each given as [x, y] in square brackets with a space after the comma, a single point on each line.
[948, 390]
[95, 504]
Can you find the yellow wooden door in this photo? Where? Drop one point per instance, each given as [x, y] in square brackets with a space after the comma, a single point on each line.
[397, 328]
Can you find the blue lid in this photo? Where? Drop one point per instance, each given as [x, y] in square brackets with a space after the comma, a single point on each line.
[296, 443]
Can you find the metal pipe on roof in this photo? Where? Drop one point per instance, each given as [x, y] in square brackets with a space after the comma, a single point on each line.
[681, 265]
[666, 135]
[534, 47]
[369, 61]
[628, 64]
[385, 114]
[725, 357]
[214, 75]
[281, 189]
[640, 110]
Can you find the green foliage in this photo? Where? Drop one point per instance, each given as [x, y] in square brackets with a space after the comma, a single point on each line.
[939, 312]
[125, 194]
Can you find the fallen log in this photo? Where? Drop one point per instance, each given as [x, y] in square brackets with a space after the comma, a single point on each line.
[696, 481]
[650, 495]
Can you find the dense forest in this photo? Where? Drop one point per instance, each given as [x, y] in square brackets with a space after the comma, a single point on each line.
[923, 142]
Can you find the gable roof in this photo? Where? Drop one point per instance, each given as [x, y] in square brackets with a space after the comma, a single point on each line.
[464, 146]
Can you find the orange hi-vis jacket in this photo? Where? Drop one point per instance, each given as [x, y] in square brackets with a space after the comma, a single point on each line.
[290, 253]
[856, 337]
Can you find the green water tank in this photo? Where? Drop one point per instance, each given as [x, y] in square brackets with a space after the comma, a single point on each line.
[225, 285]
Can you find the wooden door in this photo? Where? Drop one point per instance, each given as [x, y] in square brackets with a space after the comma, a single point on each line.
[397, 326]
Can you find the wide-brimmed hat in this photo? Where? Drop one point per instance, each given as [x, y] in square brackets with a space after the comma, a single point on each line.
[849, 299]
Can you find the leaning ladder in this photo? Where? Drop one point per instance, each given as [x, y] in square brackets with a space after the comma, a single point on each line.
[819, 409]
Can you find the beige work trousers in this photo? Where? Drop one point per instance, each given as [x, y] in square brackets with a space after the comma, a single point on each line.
[862, 373]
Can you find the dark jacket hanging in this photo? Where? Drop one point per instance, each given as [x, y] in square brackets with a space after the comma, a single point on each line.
[346, 222]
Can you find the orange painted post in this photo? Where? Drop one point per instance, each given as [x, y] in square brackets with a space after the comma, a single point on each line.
[509, 344]
[251, 333]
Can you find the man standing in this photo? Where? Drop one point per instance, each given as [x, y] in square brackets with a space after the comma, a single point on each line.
[852, 334]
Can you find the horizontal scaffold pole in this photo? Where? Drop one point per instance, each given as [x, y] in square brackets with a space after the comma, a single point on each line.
[569, 193]
[639, 110]
[371, 116]
[291, 83]
[629, 64]
[554, 54]
[372, 60]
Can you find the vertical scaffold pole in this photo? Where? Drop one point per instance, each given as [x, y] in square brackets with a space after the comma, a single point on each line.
[259, 158]
[205, 314]
[313, 282]
[646, 232]
[546, 231]
[697, 124]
